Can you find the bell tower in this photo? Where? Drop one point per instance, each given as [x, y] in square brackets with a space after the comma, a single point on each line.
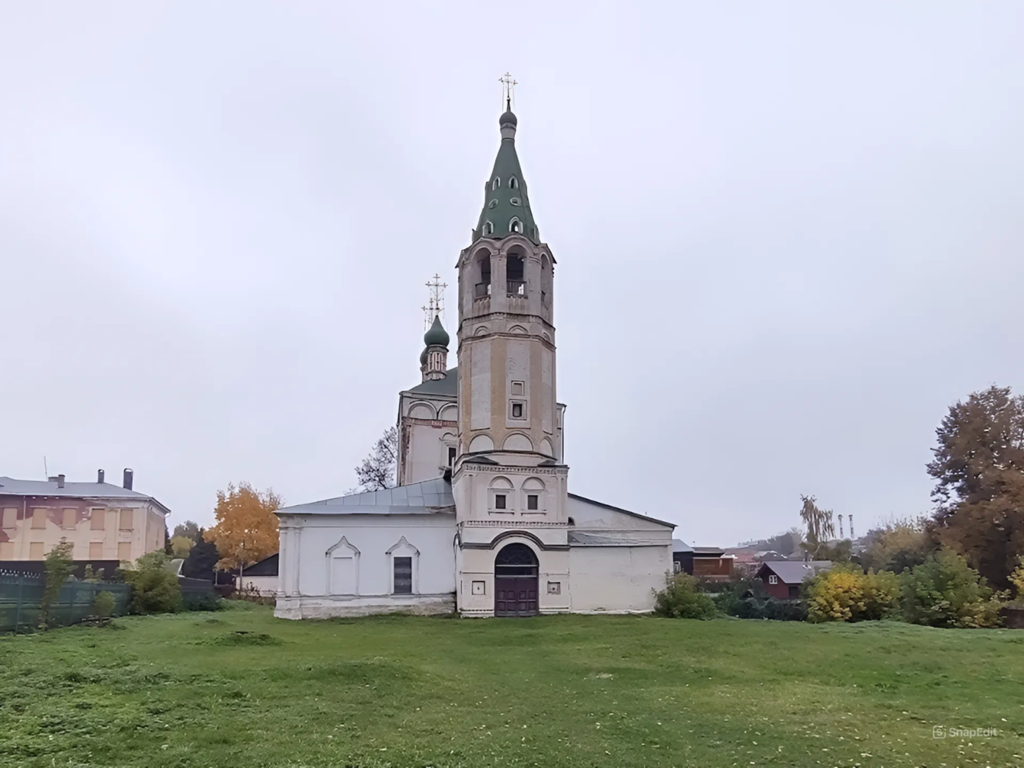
[509, 481]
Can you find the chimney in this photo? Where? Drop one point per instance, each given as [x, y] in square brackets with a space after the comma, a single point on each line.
[100, 475]
[60, 481]
[128, 479]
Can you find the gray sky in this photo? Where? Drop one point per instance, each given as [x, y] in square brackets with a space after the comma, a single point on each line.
[788, 237]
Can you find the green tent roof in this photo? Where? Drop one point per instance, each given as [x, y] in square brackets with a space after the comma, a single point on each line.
[505, 197]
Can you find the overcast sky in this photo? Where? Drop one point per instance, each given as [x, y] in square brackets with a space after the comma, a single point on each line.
[788, 238]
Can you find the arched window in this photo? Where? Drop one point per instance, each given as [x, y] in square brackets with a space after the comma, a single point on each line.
[488, 228]
[515, 201]
[492, 204]
[513, 182]
[515, 226]
[515, 273]
[496, 183]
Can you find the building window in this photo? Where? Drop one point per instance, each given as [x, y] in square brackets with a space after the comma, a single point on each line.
[515, 226]
[403, 575]
[533, 501]
[451, 456]
[9, 518]
[492, 204]
[6, 550]
[126, 523]
[488, 228]
[38, 519]
[98, 519]
[554, 587]
[496, 183]
[517, 387]
[35, 550]
[124, 551]
[95, 550]
[515, 201]
[500, 501]
[517, 410]
[68, 522]
[479, 588]
[773, 579]
[513, 182]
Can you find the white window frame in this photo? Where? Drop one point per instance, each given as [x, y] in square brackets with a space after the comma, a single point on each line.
[773, 579]
[403, 548]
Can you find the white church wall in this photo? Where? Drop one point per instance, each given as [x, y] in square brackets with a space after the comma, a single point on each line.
[589, 515]
[617, 579]
[345, 565]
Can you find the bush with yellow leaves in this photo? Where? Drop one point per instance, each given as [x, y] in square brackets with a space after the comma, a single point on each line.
[846, 593]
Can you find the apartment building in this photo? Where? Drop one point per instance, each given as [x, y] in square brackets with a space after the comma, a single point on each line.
[101, 520]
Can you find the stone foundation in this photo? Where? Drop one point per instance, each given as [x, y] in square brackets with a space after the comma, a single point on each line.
[329, 607]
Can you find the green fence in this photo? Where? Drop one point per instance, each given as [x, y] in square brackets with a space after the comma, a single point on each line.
[21, 596]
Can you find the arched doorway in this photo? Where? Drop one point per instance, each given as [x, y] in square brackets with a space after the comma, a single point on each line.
[515, 581]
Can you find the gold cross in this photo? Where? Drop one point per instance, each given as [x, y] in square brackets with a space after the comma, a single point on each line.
[507, 89]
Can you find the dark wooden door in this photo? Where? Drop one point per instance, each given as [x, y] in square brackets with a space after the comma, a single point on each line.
[515, 595]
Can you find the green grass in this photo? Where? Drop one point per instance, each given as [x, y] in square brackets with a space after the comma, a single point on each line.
[187, 690]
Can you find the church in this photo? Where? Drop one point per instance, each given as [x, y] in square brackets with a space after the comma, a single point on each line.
[482, 521]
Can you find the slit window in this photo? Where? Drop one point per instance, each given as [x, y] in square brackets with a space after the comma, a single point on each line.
[403, 575]
[500, 501]
[496, 183]
[517, 410]
[451, 456]
[532, 501]
[513, 182]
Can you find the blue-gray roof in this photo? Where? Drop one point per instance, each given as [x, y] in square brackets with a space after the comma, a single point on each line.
[449, 385]
[678, 545]
[795, 571]
[426, 498]
[9, 486]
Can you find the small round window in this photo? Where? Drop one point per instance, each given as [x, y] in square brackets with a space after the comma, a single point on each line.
[516, 201]
[492, 204]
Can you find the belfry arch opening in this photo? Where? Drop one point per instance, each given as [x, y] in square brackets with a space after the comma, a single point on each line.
[515, 274]
[482, 284]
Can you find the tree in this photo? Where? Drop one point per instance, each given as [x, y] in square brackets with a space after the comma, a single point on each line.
[820, 527]
[190, 530]
[979, 481]
[167, 540]
[378, 469]
[201, 561]
[897, 546]
[246, 529]
[181, 546]
[58, 567]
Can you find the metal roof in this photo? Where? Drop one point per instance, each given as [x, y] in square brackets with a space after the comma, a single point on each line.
[795, 571]
[609, 539]
[9, 486]
[449, 385]
[678, 545]
[425, 498]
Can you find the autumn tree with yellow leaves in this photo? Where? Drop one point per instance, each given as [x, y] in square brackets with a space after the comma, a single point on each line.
[246, 529]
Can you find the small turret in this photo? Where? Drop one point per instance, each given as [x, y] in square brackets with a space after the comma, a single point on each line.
[434, 360]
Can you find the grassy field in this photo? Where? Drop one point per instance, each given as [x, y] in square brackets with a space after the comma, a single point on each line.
[187, 690]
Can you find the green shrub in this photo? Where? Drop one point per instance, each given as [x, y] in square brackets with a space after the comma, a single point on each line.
[201, 601]
[755, 608]
[682, 599]
[945, 591]
[155, 588]
[846, 593]
[103, 605]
